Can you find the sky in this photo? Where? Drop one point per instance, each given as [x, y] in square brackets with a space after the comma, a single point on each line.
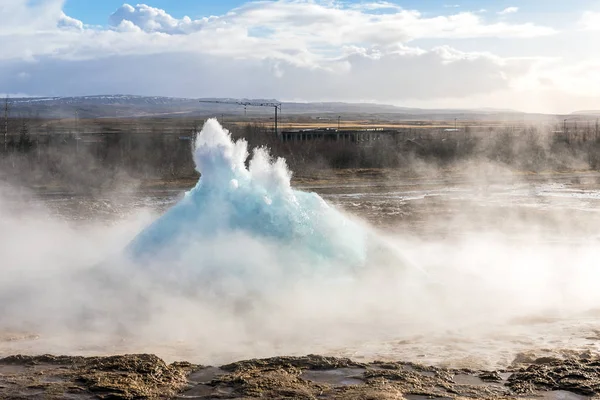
[529, 55]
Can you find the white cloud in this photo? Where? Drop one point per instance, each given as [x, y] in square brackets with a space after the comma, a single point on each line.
[590, 21]
[67, 22]
[25, 16]
[322, 22]
[359, 74]
[576, 78]
[303, 33]
[378, 5]
[127, 26]
[151, 19]
[509, 10]
[301, 49]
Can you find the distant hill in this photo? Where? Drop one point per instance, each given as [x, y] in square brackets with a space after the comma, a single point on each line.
[587, 113]
[129, 106]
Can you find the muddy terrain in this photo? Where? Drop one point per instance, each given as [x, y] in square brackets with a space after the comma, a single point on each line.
[570, 376]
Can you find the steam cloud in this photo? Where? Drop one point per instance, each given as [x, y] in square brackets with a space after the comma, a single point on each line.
[257, 201]
[245, 266]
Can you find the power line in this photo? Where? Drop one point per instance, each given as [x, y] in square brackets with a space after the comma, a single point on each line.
[275, 105]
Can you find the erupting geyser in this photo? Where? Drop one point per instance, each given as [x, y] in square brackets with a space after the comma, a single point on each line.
[254, 211]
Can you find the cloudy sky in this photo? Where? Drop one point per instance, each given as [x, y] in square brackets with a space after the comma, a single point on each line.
[531, 55]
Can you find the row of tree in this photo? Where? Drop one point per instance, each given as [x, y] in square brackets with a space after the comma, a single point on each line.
[33, 155]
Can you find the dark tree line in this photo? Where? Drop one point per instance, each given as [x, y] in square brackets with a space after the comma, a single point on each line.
[528, 148]
[36, 152]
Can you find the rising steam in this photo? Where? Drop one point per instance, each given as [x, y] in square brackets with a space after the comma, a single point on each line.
[246, 266]
[257, 201]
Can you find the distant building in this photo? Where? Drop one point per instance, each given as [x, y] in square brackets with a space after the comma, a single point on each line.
[333, 134]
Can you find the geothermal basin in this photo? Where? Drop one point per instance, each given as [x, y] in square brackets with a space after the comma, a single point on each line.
[470, 269]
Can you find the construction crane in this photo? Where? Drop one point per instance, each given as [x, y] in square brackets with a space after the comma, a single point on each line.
[275, 105]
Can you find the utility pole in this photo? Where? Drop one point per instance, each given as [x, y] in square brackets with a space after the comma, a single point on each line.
[6, 114]
[276, 110]
[77, 131]
[339, 118]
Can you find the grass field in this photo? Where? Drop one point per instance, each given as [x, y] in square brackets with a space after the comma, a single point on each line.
[366, 124]
[179, 125]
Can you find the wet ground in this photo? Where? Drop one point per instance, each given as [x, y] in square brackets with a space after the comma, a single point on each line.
[570, 377]
[559, 204]
[540, 356]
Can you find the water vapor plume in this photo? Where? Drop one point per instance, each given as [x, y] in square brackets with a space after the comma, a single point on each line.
[257, 201]
[244, 265]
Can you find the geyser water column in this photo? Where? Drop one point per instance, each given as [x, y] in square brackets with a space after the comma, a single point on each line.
[249, 211]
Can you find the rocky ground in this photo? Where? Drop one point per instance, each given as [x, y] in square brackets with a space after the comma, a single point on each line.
[571, 377]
